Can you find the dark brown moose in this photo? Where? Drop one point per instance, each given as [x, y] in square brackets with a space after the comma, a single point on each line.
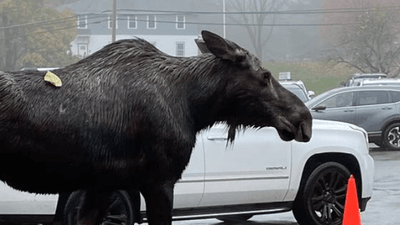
[126, 117]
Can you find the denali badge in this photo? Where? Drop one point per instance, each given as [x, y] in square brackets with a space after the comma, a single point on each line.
[277, 168]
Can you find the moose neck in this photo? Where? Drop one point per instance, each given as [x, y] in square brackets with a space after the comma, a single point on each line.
[208, 78]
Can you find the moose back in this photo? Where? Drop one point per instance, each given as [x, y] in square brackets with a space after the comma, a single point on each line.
[127, 117]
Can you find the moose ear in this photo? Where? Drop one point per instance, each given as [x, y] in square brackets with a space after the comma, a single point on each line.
[222, 48]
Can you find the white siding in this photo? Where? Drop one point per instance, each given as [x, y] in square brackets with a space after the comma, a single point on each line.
[166, 43]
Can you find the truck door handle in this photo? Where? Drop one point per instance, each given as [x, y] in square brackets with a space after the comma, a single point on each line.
[215, 138]
[348, 110]
[387, 108]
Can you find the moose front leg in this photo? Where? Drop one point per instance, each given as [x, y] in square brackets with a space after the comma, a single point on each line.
[159, 202]
[93, 207]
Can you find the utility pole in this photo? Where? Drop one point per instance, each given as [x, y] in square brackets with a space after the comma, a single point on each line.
[114, 21]
[223, 18]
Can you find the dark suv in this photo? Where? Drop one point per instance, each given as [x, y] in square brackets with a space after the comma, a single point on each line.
[374, 108]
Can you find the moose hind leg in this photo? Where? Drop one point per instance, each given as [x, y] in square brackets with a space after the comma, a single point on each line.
[159, 202]
[93, 206]
[61, 202]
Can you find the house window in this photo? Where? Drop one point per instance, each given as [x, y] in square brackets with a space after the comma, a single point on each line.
[82, 22]
[180, 22]
[82, 50]
[110, 21]
[180, 48]
[151, 22]
[132, 22]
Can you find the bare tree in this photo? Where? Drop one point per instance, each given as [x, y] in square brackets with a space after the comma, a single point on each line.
[33, 35]
[373, 45]
[253, 14]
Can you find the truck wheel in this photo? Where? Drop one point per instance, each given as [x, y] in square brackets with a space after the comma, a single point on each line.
[119, 212]
[321, 200]
[391, 136]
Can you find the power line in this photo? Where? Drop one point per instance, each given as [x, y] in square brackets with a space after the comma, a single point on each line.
[211, 24]
[47, 22]
[94, 16]
[52, 30]
[35, 23]
[253, 24]
[194, 23]
[283, 12]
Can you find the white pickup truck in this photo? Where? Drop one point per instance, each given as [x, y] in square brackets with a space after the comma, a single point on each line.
[259, 173]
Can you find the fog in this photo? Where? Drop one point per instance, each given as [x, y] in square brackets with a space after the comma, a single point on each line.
[56, 33]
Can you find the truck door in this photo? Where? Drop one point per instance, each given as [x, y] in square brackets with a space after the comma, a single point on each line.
[253, 169]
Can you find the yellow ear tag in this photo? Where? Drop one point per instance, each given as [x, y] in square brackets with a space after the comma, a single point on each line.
[53, 79]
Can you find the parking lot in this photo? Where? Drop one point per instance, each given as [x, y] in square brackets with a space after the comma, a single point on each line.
[382, 209]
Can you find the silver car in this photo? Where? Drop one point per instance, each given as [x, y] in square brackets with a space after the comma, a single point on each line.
[356, 78]
[381, 82]
[298, 88]
[374, 108]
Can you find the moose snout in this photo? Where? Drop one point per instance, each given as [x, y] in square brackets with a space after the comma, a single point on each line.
[303, 132]
[298, 131]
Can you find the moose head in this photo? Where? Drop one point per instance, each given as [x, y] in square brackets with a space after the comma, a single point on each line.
[253, 97]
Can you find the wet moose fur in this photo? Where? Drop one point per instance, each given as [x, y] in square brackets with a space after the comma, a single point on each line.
[127, 117]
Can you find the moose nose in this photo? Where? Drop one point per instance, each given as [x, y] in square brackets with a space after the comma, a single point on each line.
[304, 132]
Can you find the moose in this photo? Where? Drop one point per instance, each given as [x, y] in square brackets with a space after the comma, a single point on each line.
[126, 117]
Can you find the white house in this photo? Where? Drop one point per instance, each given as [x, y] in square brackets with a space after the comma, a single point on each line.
[172, 26]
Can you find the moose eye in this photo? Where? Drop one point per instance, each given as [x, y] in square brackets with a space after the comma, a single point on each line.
[240, 58]
[266, 76]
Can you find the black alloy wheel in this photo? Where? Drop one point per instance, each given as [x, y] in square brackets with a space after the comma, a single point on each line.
[391, 136]
[120, 211]
[321, 200]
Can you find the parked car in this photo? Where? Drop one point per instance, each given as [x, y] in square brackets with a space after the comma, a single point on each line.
[357, 77]
[298, 88]
[258, 173]
[374, 108]
[380, 82]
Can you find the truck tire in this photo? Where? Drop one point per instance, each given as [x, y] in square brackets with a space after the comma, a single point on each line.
[119, 212]
[321, 199]
[391, 136]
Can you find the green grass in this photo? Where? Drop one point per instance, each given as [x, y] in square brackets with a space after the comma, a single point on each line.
[317, 76]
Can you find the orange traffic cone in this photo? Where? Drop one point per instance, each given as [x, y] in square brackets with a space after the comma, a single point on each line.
[351, 214]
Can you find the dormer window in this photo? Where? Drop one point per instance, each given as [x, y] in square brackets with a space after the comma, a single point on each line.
[151, 22]
[180, 22]
[132, 22]
[110, 21]
[82, 22]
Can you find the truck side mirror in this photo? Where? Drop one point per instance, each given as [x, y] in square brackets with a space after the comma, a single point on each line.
[319, 108]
